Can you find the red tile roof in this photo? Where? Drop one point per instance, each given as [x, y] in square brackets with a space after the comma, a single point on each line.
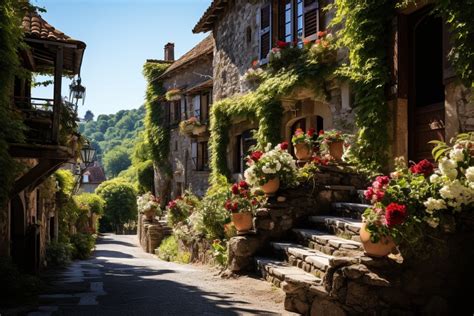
[96, 174]
[35, 26]
[206, 22]
[206, 46]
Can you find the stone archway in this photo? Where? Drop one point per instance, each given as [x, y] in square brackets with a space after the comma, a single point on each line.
[17, 232]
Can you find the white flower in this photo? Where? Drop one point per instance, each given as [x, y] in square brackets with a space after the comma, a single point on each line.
[457, 154]
[451, 173]
[432, 221]
[435, 178]
[447, 164]
[434, 205]
[470, 174]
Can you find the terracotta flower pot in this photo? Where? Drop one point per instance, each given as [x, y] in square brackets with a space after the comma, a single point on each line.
[271, 186]
[150, 214]
[303, 151]
[379, 249]
[336, 149]
[242, 221]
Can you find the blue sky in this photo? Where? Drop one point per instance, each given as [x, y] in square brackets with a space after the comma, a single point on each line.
[120, 35]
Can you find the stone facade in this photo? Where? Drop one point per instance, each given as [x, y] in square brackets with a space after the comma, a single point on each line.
[191, 77]
[150, 233]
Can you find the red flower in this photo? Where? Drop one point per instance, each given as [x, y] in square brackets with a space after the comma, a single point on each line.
[379, 195]
[318, 41]
[256, 155]
[228, 205]
[235, 189]
[383, 180]
[254, 202]
[235, 207]
[321, 132]
[310, 132]
[172, 204]
[424, 167]
[321, 34]
[243, 185]
[284, 145]
[281, 44]
[255, 63]
[395, 214]
[307, 42]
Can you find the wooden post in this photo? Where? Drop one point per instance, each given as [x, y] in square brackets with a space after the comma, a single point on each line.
[58, 73]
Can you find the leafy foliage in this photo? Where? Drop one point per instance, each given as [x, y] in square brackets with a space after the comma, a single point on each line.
[120, 203]
[83, 245]
[116, 160]
[12, 128]
[169, 251]
[59, 254]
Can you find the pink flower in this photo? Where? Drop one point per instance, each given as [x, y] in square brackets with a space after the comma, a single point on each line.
[379, 195]
[369, 193]
[321, 34]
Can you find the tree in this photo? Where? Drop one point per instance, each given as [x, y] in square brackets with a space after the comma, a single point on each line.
[89, 116]
[145, 175]
[120, 203]
[116, 160]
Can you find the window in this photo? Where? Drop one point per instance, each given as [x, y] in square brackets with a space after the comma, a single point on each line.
[176, 108]
[184, 110]
[299, 20]
[200, 155]
[243, 144]
[85, 178]
[197, 106]
[265, 32]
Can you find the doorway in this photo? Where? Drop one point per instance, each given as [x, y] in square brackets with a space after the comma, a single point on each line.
[426, 93]
[17, 232]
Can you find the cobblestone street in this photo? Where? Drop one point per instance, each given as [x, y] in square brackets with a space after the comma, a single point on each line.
[120, 279]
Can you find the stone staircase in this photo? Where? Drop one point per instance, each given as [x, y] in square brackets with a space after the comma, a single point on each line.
[301, 264]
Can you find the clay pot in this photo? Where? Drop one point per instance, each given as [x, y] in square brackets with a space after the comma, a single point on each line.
[303, 151]
[379, 249]
[271, 186]
[336, 149]
[242, 221]
[150, 214]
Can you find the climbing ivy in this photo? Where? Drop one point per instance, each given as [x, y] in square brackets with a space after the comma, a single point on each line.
[11, 126]
[156, 127]
[364, 31]
[292, 68]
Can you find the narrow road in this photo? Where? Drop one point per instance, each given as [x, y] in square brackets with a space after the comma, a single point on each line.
[121, 279]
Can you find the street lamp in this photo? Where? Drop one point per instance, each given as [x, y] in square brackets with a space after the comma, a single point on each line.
[87, 153]
[77, 91]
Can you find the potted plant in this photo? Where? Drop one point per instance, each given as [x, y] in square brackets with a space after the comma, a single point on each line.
[243, 205]
[333, 142]
[149, 205]
[266, 169]
[303, 143]
[415, 200]
[187, 127]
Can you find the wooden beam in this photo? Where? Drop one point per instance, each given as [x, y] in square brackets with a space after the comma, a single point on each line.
[35, 175]
[40, 151]
[58, 74]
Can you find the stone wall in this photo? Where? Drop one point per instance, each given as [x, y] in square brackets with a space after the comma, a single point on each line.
[150, 233]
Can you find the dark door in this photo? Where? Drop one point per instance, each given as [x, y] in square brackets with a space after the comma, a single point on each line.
[426, 95]
[17, 232]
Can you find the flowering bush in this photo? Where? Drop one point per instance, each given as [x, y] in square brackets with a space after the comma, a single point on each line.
[148, 202]
[330, 136]
[300, 137]
[241, 199]
[420, 194]
[271, 163]
[179, 209]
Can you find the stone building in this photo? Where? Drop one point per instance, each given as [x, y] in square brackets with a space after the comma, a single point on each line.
[92, 177]
[31, 219]
[425, 99]
[188, 82]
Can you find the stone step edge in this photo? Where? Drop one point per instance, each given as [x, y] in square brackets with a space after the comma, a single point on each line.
[285, 276]
[307, 259]
[351, 206]
[346, 223]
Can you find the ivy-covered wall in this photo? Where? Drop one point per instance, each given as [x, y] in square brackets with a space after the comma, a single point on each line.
[156, 125]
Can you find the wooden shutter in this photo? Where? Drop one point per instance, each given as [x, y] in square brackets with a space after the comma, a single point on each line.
[310, 20]
[265, 32]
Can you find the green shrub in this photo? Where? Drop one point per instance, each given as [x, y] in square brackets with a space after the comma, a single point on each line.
[83, 245]
[219, 252]
[169, 251]
[59, 254]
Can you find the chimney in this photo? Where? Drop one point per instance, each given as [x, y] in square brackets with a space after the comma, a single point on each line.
[169, 52]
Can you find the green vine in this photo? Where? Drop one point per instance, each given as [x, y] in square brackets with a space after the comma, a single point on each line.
[156, 126]
[12, 128]
[294, 67]
[365, 28]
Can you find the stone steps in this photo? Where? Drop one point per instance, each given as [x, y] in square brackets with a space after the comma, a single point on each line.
[307, 259]
[352, 210]
[282, 273]
[327, 243]
[345, 227]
